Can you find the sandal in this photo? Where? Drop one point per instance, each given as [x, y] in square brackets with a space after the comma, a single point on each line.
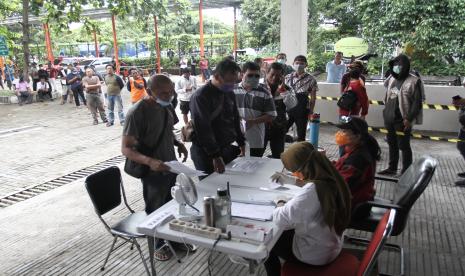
[163, 254]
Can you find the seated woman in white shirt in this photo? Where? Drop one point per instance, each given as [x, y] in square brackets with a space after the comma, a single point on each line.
[314, 219]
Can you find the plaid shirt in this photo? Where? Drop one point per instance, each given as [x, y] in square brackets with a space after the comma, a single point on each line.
[253, 104]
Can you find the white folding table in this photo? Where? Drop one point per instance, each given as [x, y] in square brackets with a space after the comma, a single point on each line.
[243, 187]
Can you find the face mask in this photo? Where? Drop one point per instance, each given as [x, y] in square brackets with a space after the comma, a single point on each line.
[252, 82]
[227, 87]
[298, 175]
[282, 61]
[341, 138]
[396, 69]
[163, 103]
[298, 68]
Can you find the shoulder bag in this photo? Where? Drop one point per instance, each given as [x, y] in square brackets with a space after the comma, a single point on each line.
[187, 131]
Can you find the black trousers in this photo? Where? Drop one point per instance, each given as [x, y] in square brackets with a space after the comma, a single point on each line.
[257, 152]
[282, 249]
[78, 92]
[396, 143]
[34, 84]
[156, 189]
[277, 138]
[203, 162]
[301, 121]
[47, 95]
[461, 143]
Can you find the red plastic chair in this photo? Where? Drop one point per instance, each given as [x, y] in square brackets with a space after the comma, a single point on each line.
[347, 264]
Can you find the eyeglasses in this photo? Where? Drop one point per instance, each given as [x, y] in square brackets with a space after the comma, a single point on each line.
[257, 76]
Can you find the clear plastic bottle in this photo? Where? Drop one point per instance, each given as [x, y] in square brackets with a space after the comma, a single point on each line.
[222, 209]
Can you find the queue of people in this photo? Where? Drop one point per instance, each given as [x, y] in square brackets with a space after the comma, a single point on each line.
[249, 105]
[235, 108]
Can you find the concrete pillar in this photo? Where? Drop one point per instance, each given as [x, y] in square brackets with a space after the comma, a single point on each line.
[294, 25]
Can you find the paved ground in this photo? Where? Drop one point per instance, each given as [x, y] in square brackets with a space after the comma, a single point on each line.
[57, 232]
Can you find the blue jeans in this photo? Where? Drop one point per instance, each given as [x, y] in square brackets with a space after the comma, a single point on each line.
[112, 99]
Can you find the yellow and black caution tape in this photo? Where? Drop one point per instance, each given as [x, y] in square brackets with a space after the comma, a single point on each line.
[374, 102]
[400, 133]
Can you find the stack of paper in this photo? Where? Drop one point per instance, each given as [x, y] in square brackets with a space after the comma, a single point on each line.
[178, 167]
[246, 166]
[252, 211]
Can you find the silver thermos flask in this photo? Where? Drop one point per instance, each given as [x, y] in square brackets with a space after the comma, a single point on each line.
[209, 210]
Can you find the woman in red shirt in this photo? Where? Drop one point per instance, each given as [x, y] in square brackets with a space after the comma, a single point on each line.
[357, 85]
[358, 164]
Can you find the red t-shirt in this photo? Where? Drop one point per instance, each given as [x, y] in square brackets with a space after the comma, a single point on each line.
[362, 104]
[53, 73]
[357, 167]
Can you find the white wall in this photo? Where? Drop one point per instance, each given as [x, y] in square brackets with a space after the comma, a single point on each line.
[293, 41]
[433, 120]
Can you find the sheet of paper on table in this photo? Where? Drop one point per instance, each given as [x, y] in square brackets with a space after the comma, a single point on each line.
[246, 166]
[252, 211]
[178, 167]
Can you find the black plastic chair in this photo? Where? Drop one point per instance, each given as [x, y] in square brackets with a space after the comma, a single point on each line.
[105, 189]
[408, 189]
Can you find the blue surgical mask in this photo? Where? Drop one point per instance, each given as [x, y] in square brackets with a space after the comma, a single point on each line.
[227, 87]
[163, 103]
[396, 69]
[282, 61]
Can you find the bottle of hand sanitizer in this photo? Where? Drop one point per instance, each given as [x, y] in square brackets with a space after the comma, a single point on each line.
[222, 209]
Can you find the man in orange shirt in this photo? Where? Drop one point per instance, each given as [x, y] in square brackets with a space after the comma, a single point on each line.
[136, 86]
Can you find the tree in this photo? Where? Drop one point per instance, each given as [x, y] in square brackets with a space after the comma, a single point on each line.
[435, 27]
[25, 39]
[342, 14]
[263, 17]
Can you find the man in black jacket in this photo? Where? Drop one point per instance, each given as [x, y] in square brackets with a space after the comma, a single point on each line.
[403, 108]
[216, 121]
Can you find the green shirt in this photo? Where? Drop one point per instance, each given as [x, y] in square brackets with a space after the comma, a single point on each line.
[113, 88]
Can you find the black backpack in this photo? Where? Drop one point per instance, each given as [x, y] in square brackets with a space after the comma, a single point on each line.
[347, 100]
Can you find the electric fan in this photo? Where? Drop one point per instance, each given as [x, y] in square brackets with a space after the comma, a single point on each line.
[185, 193]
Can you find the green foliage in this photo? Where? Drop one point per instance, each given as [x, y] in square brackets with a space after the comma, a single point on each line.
[166, 63]
[342, 12]
[317, 61]
[263, 17]
[434, 27]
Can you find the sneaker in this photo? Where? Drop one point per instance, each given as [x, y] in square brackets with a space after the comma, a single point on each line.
[460, 183]
[462, 174]
[388, 172]
[121, 123]
[184, 246]
[109, 124]
[95, 122]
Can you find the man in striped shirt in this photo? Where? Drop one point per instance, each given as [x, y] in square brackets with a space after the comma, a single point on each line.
[305, 87]
[256, 107]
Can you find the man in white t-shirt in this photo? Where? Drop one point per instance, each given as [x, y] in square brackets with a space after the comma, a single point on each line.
[44, 90]
[185, 87]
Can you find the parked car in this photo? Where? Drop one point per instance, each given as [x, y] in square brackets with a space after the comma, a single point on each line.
[98, 63]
